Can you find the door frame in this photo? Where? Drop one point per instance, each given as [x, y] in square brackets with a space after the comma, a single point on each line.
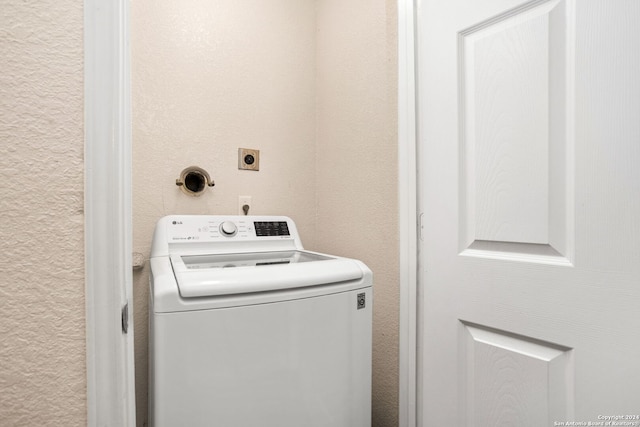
[108, 271]
[409, 215]
[108, 206]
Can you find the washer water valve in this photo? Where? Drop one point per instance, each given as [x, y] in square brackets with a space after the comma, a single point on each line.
[193, 181]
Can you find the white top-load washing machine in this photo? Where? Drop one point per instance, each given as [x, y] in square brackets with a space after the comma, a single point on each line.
[247, 329]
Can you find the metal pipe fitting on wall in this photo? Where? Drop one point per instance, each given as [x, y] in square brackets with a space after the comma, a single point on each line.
[194, 180]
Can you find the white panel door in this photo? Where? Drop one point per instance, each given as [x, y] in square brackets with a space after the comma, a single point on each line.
[529, 148]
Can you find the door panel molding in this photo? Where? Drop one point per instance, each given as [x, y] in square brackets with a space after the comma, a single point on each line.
[516, 101]
[499, 366]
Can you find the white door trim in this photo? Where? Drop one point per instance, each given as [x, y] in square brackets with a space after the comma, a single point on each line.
[108, 281]
[408, 215]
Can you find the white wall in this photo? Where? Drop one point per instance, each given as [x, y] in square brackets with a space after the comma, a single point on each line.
[312, 84]
[42, 312]
[357, 175]
[208, 78]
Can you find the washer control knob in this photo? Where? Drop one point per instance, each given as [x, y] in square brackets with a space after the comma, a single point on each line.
[228, 228]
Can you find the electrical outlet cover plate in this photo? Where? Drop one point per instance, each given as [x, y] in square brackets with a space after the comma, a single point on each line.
[248, 159]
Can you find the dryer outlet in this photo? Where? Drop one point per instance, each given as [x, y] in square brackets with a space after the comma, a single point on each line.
[248, 159]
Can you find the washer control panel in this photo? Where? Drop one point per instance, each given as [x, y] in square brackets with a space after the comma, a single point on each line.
[197, 228]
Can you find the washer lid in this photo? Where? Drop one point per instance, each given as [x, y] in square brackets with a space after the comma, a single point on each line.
[226, 274]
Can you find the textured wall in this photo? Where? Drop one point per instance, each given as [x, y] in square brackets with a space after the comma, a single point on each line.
[208, 78]
[42, 312]
[357, 165]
